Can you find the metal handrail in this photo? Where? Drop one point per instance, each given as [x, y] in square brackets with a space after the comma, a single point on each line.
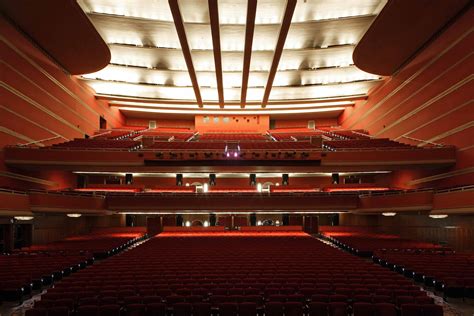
[42, 140]
[12, 191]
[422, 141]
[100, 134]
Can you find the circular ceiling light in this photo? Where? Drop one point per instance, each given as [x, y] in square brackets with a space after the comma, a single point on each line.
[389, 213]
[74, 215]
[438, 216]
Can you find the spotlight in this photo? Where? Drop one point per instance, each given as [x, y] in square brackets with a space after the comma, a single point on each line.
[277, 184]
[253, 179]
[206, 224]
[228, 155]
[277, 223]
[23, 218]
[235, 155]
[259, 223]
[212, 179]
[205, 187]
[187, 224]
[187, 184]
[259, 187]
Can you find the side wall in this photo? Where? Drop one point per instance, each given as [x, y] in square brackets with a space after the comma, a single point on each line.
[457, 231]
[431, 99]
[39, 100]
[49, 228]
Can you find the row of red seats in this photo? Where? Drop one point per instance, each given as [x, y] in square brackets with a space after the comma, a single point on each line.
[100, 144]
[364, 143]
[243, 309]
[232, 137]
[351, 134]
[207, 263]
[450, 272]
[33, 267]
[243, 146]
[365, 243]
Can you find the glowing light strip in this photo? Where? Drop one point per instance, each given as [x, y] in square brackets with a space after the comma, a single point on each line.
[209, 107]
[184, 190]
[108, 190]
[232, 213]
[241, 112]
[290, 190]
[231, 175]
[355, 189]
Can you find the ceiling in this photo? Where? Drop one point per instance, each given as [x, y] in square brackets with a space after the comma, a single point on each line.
[222, 54]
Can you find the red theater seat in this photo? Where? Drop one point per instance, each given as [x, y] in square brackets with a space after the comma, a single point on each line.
[248, 309]
[274, 309]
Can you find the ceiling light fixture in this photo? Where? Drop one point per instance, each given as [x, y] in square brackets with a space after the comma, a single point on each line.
[226, 112]
[438, 216]
[389, 214]
[74, 215]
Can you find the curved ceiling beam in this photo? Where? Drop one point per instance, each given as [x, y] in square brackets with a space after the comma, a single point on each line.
[249, 30]
[178, 22]
[62, 30]
[285, 27]
[389, 44]
[216, 44]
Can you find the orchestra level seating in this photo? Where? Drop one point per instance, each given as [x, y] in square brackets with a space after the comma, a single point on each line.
[235, 273]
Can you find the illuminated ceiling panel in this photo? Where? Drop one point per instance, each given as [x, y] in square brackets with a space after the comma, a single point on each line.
[312, 10]
[232, 11]
[172, 59]
[147, 60]
[232, 94]
[231, 79]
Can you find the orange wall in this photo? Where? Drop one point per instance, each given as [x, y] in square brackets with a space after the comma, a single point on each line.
[241, 123]
[304, 123]
[161, 123]
[430, 99]
[40, 100]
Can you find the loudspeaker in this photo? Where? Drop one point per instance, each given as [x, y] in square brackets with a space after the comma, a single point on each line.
[286, 219]
[285, 179]
[212, 220]
[212, 179]
[81, 181]
[128, 178]
[253, 179]
[253, 219]
[179, 220]
[129, 220]
[179, 179]
[335, 178]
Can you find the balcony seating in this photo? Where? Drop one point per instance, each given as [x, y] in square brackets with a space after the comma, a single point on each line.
[364, 144]
[222, 272]
[99, 144]
[232, 136]
[294, 134]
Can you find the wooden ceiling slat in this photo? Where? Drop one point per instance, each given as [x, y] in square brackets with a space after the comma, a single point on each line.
[216, 44]
[285, 27]
[249, 31]
[178, 22]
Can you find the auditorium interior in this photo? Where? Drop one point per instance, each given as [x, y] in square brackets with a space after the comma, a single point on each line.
[236, 158]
